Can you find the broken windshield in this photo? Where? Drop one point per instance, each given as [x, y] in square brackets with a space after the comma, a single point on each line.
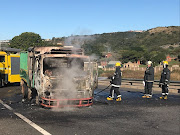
[57, 66]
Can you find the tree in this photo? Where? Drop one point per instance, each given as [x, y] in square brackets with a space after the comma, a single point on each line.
[160, 56]
[96, 49]
[26, 40]
[131, 55]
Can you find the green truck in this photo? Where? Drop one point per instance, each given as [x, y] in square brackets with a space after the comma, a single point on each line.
[58, 76]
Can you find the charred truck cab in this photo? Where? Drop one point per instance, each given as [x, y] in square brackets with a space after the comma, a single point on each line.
[58, 76]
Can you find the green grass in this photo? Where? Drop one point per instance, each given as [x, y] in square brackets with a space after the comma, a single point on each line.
[105, 73]
[173, 62]
[142, 65]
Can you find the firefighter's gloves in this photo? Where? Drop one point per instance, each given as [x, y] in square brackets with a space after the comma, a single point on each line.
[166, 82]
[144, 83]
[147, 71]
[112, 78]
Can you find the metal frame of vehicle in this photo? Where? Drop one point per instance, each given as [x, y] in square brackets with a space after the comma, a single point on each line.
[33, 77]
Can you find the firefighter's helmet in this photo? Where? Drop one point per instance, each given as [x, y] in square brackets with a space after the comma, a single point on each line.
[149, 62]
[165, 63]
[118, 64]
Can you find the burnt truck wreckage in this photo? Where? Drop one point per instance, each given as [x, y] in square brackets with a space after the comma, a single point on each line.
[58, 76]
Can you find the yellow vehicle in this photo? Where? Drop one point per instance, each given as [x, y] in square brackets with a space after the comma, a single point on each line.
[9, 66]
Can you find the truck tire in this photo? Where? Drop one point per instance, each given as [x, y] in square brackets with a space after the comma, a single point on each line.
[29, 94]
[1, 83]
[37, 100]
[24, 90]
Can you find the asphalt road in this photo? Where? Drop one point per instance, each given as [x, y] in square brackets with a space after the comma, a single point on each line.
[133, 115]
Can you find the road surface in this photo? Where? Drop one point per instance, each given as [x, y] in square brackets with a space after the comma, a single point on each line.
[133, 115]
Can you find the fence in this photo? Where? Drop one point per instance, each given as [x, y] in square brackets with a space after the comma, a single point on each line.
[156, 69]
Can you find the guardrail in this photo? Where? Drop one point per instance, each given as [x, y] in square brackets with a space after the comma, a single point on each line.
[138, 84]
[174, 85]
[129, 79]
[156, 69]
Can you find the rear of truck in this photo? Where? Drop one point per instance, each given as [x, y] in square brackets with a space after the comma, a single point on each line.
[24, 74]
[9, 68]
[24, 67]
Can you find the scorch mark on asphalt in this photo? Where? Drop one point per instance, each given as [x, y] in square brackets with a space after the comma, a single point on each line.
[41, 130]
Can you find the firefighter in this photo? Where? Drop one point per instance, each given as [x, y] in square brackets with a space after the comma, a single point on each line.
[148, 80]
[115, 83]
[165, 80]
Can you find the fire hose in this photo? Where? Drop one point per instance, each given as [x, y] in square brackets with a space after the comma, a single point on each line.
[102, 90]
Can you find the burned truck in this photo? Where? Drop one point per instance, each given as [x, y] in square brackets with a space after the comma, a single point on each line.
[58, 76]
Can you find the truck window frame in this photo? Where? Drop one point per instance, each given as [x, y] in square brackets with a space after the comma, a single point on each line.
[2, 58]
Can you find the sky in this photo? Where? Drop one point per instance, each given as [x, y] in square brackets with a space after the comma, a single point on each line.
[58, 18]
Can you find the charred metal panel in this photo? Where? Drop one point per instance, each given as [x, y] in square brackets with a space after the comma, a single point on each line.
[59, 50]
[62, 72]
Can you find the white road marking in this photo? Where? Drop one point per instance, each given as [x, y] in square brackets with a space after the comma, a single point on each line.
[41, 130]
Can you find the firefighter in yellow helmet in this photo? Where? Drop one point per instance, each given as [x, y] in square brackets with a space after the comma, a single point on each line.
[165, 80]
[115, 83]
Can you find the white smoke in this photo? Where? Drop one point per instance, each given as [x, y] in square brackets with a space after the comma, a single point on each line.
[80, 37]
[67, 87]
[69, 82]
[78, 40]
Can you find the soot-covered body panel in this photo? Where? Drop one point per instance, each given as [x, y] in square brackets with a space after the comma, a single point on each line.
[61, 73]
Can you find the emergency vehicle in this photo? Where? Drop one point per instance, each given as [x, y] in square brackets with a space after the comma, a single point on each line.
[9, 65]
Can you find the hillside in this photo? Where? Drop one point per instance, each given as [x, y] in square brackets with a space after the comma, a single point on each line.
[159, 36]
[151, 38]
[168, 30]
[133, 46]
[116, 41]
[153, 44]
